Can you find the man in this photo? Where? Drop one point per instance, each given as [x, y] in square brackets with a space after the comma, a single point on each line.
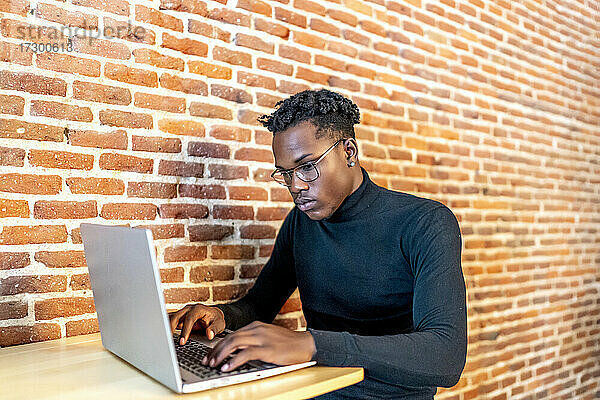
[378, 271]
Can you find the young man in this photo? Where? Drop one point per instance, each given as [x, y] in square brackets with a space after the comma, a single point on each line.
[378, 272]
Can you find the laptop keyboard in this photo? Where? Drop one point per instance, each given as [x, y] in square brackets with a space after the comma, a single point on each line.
[191, 354]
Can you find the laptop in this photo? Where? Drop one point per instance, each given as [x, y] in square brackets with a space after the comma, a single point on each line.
[133, 320]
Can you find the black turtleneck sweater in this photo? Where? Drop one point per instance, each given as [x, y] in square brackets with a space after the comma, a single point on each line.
[381, 287]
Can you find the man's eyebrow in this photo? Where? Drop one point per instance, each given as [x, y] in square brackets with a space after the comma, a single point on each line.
[296, 161]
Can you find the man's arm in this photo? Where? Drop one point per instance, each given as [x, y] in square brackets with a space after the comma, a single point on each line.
[435, 353]
[273, 286]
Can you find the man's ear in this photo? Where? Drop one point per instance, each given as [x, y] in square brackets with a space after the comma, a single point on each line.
[351, 149]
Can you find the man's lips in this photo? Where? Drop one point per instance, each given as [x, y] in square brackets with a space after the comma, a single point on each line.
[305, 204]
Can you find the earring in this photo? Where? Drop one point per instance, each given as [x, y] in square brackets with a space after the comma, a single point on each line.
[351, 164]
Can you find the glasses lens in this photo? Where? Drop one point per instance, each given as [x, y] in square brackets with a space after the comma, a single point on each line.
[307, 172]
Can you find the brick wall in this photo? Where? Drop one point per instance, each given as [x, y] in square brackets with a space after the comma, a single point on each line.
[146, 116]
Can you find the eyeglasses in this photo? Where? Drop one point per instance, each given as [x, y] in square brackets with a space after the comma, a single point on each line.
[306, 172]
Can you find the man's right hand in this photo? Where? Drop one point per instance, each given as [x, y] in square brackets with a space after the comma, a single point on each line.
[197, 317]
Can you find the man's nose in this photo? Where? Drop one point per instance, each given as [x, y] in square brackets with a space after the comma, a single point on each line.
[297, 184]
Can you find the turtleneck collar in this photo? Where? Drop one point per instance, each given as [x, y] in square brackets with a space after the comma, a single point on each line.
[356, 202]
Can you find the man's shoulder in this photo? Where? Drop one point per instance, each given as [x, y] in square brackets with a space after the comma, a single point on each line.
[408, 204]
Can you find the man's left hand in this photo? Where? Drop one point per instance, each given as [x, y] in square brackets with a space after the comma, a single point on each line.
[265, 342]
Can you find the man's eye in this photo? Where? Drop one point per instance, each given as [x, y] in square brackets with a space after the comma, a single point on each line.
[306, 168]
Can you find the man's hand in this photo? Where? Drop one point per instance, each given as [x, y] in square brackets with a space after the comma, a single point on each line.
[197, 317]
[260, 341]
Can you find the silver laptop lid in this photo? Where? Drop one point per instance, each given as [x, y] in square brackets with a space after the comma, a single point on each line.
[129, 300]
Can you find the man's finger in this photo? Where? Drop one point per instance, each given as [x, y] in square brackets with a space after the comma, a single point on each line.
[188, 324]
[233, 342]
[249, 354]
[174, 318]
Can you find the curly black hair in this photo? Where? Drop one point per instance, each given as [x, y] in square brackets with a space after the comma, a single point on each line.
[332, 114]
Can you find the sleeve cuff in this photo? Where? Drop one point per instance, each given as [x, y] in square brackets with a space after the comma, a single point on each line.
[332, 348]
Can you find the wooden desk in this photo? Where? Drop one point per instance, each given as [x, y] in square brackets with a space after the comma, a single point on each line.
[80, 368]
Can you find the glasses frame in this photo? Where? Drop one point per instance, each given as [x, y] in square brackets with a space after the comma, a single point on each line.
[292, 171]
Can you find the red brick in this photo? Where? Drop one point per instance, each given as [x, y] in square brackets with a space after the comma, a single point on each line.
[11, 104]
[230, 292]
[249, 79]
[12, 53]
[135, 76]
[233, 212]
[190, 6]
[53, 13]
[114, 29]
[208, 30]
[30, 184]
[120, 7]
[81, 327]
[32, 284]
[156, 59]
[205, 110]
[17, 129]
[202, 233]
[310, 40]
[52, 209]
[32, 33]
[266, 100]
[113, 140]
[60, 159]
[343, 16]
[106, 186]
[126, 211]
[20, 7]
[181, 168]
[249, 154]
[263, 174]
[167, 231]
[233, 252]
[61, 259]
[14, 208]
[231, 94]
[289, 323]
[210, 70]
[80, 282]
[158, 18]
[101, 93]
[13, 335]
[186, 295]
[274, 66]
[247, 193]
[102, 48]
[271, 28]
[280, 194]
[232, 57]
[229, 17]
[170, 275]
[155, 102]
[341, 48]
[255, 6]
[57, 110]
[290, 17]
[225, 132]
[36, 84]
[318, 25]
[185, 253]
[63, 307]
[156, 144]
[248, 117]
[211, 273]
[185, 85]
[121, 162]
[125, 119]
[184, 211]
[312, 76]
[291, 305]
[202, 191]
[187, 46]
[257, 232]
[10, 260]
[265, 250]
[223, 171]
[68, 64]
[152, 190]
[253, 42]
[12, 310]
[213, 150]
[250, 270]
[181, 127]
[272, 213]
